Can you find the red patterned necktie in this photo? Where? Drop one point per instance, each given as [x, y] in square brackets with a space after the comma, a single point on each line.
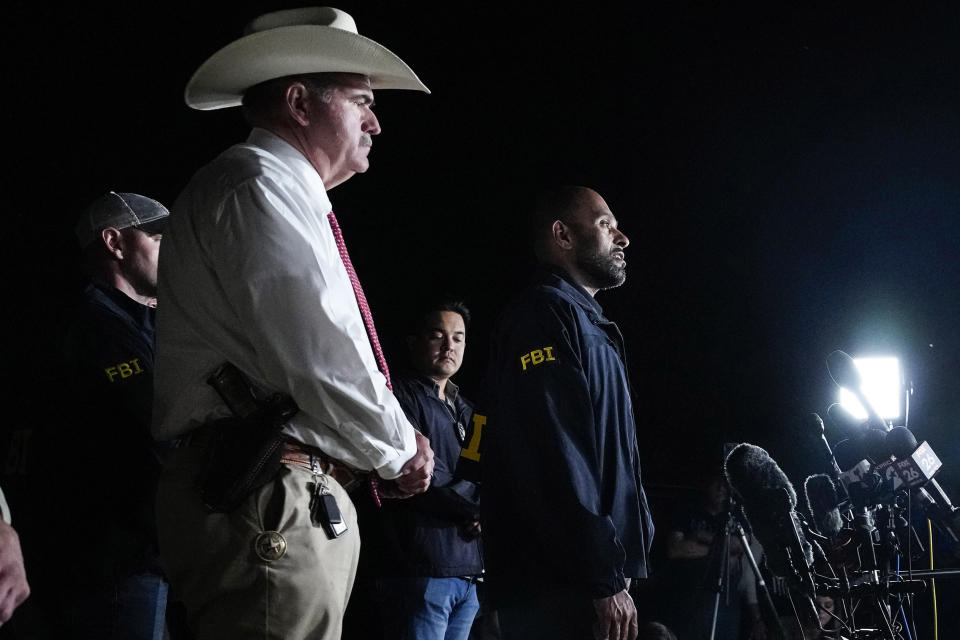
[367, 322]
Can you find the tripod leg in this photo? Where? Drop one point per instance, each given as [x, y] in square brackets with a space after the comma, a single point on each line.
[723, 561]
[761, 583]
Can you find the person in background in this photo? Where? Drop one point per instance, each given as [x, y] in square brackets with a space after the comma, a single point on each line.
[110, 582]
[425, 552]
[693, 548]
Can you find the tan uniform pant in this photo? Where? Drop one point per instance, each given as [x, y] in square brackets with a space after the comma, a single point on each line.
[229, 590]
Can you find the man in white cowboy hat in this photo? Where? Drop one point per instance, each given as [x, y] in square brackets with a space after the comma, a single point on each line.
[254, 273]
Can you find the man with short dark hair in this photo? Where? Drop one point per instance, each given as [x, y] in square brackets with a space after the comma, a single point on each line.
[425, 551]
[108, 572]
[259, 294]
[566, 522]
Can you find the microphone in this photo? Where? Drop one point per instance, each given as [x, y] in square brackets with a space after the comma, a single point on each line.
[917, 464]
[824, 503]
[860, 481]
[843, 370]
[814, 425]
[769, 501]
[868, 485]
[849, 453]
[875, 444]
[870, 445]
[913, 469]
[901, 442]
[878, 451]
[843, 420]
[844, 373]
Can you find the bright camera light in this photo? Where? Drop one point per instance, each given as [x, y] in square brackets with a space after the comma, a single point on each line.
[882, 385]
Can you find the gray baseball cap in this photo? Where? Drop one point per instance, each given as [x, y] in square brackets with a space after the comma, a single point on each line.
[120, 210]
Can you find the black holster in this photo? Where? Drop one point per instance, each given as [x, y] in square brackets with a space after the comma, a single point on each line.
[243, 451]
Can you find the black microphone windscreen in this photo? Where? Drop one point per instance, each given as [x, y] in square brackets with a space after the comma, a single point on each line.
[875, 444]
[823, 500]
[848, 453]
[843, 370]
[769, 500]
[901, 442]
[757, 478]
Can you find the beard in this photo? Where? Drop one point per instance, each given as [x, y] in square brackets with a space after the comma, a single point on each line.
[604, 271]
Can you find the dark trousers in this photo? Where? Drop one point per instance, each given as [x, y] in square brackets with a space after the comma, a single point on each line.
[555, 615]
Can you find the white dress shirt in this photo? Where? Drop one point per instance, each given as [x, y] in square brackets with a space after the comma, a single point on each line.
[4, 509]
[250, 274]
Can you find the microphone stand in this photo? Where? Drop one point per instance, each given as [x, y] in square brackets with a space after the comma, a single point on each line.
[735, 526]
[720, 558]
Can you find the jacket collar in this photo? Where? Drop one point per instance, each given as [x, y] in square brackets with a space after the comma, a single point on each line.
[559, 279]
[120, 301]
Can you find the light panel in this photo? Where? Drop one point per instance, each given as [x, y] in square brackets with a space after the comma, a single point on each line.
[882, 385]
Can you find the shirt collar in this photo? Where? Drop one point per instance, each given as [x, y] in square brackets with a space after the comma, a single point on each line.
[452, 391]
[286, 153]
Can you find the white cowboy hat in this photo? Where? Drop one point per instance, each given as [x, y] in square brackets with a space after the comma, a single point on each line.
[292, 42]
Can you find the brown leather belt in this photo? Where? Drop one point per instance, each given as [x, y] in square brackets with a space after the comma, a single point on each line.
[314, 460]
[292, 453]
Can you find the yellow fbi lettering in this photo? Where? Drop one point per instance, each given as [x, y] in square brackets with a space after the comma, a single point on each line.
[472, 452]
[124, 370]
[537, 356]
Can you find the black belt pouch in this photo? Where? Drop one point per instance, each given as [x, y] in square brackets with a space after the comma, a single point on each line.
[243, 452]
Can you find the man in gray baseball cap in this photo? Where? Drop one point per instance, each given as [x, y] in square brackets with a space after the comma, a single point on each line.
[106, 551]
[120, 237]
[120, 211]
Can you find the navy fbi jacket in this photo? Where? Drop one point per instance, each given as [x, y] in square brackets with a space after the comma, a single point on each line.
[563, 504]
[104, 436]
[425, 535]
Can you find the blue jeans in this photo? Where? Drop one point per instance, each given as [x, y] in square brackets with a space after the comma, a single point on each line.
[143, 614]
[132, 609]
[430, 608]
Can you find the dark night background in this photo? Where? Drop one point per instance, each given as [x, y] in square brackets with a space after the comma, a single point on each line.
[789, 178]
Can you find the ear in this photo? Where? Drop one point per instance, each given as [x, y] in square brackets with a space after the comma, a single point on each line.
[113, 240]
[296, 100]
[561, 234]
